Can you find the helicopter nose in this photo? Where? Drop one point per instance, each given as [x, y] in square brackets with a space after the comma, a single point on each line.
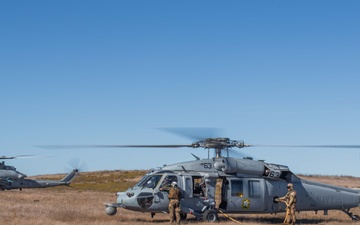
[120, 197]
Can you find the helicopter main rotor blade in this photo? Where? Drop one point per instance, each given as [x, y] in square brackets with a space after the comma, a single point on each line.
[143, 146]
[175, 146]
[18, 157]
[305, 146]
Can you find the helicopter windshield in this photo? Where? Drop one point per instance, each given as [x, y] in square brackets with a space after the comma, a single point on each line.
[142, 181]
[150, 182]
[10, 168]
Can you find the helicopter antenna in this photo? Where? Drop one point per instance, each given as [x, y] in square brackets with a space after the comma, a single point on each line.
[196, 157]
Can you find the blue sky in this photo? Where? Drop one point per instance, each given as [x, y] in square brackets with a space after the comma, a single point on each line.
[111, 72]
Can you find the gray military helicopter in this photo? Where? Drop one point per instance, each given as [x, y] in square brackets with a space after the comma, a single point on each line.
[245, 185]
[10, 178]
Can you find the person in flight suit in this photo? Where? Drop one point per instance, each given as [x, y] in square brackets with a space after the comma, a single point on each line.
[174, 203]
[290, 200]
[198, 190]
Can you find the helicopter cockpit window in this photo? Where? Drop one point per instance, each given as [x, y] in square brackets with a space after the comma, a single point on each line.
[152, 181]
[142, 181]
[167, 182]
[237, 188]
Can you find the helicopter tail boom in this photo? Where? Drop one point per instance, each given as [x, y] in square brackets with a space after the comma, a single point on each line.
[68, 178]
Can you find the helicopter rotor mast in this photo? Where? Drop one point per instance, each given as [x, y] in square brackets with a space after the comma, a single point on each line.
[218, 144]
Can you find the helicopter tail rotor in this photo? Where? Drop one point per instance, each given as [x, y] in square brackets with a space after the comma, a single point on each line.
[76, 164]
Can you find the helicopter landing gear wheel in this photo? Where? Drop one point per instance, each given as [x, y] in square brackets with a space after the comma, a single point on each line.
[352, 216]
[183, 216]
[210, 216]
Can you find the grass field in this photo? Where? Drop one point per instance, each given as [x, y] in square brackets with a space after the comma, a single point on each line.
[84, 204]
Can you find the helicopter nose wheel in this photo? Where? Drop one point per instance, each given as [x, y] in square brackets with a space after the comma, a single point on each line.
[355, 218]
[210, 216]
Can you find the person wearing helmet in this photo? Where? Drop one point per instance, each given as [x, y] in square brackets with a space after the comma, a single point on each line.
[166, 184]
[174, 203]
[290, 200]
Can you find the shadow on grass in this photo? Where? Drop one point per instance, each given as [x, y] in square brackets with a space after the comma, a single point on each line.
[241, 219]
[259, 220]
[265, 220]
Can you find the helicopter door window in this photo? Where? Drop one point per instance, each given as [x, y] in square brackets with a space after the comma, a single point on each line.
[254, 189]
[237, 189]
[188, 186]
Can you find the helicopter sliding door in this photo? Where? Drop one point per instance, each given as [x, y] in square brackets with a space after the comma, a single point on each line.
[243, 195]
[193, 194]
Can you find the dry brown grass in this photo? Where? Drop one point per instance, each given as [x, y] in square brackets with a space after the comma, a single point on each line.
[59, 206]
[345, 181]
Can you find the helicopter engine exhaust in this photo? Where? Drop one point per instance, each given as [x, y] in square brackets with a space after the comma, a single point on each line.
[231, 165]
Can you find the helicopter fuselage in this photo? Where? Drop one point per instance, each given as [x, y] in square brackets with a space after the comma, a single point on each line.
[12, 179]
[232, 185]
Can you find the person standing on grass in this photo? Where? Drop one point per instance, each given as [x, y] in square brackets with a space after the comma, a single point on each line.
[174, 203]
[290, 200]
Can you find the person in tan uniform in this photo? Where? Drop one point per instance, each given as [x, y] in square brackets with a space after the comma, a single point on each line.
[174, 203]
[290, 200]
